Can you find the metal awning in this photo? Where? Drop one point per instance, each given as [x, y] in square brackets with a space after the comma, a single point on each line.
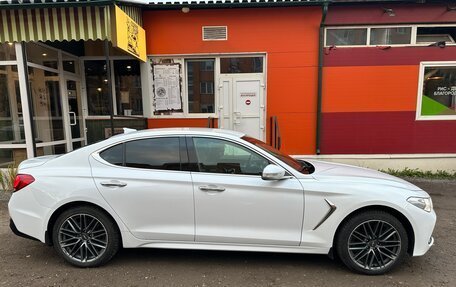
[58, 23]
[55, 24]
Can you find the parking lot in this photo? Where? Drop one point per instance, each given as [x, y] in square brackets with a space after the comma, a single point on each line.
[29, 263]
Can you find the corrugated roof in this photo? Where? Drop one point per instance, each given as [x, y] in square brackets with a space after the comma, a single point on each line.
[9, 4]
[157, 4]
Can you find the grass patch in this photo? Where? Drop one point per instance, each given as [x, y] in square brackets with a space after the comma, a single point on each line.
[7, 178]
[408, 172]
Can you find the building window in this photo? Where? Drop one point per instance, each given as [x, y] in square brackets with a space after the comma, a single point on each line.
[390, 36]
[97, 88]
[41, 55]
[128, 87]
[410, 35]
[7, 52]
[200, 86]
[346, 37]
[11, 119]
[430, 35]
[437, 93]
[236, 65]
[128, 95]
[207, 87]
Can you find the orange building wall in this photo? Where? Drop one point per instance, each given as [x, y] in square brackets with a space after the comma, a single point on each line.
[289, 37]
[370, 88]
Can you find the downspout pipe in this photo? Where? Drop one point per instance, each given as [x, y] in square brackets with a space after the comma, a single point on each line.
[320, 74]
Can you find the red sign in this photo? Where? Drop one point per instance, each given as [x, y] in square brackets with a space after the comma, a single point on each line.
[248, 102]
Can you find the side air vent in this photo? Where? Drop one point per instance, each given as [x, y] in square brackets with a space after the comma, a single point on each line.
[215, 33]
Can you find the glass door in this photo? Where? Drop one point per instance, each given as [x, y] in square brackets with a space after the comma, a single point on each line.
[76, 119]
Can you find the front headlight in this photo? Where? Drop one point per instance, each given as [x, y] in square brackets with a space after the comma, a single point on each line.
[425, 203]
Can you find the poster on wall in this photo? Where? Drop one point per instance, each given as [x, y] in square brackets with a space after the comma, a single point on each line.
[167, 90]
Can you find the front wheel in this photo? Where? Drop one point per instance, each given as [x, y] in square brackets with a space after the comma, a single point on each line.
[85, 236]
[372, 242]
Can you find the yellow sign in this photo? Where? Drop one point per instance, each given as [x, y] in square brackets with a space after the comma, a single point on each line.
[128, 35]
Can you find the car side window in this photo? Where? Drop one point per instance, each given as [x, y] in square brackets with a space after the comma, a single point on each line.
[113, 155]
[221, 156]
[154, 153]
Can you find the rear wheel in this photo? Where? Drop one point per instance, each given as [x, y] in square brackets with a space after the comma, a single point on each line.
[85, 236]
[372, 242]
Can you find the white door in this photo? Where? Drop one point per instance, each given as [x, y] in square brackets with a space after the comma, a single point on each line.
[143, 182]
[233, 204]
[243, 104]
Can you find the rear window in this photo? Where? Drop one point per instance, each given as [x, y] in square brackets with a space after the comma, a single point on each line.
[113, 155]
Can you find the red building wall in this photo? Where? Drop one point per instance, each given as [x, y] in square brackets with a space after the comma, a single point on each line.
[289, 36]
[370, 93]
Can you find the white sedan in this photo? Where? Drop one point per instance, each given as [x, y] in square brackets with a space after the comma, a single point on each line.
[216, 190]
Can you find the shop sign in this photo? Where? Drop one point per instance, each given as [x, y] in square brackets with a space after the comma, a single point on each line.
[445, 91]
[128, 35]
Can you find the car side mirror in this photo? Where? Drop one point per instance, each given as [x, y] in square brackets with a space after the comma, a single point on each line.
[273, 172]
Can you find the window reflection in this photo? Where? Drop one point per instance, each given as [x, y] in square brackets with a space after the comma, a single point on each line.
[128, 87]
[200, 86]
[97, 87]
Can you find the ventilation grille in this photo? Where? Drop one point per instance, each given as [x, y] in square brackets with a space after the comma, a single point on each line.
[215, 33]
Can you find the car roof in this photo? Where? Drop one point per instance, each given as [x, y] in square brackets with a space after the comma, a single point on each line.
[181, 131]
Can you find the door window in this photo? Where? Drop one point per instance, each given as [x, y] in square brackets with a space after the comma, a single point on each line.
[220, 156]
[157, 153]
[236, 65]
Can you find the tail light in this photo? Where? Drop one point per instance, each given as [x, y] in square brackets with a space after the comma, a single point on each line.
[22, 180]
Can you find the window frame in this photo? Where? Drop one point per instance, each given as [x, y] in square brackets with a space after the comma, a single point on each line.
[182, 59]
[82, 61]
[423, 66]
[183, 154]
[369, 27]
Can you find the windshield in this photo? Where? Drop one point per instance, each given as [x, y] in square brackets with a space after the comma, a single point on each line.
[299, 165]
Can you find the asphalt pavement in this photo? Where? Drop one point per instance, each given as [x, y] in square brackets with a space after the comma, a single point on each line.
[29, 263]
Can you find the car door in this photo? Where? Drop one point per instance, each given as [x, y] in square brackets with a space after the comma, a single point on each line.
[143, 182]
[233, 204]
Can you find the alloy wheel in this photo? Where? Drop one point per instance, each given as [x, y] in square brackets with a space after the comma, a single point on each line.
[374, 244]
[83, 238]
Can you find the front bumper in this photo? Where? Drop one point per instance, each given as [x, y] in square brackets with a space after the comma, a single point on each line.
[423, 225]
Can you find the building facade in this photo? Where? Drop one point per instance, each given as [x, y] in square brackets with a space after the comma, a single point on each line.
[366, 79]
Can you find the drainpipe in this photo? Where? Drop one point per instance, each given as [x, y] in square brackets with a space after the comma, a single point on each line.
[320, 74]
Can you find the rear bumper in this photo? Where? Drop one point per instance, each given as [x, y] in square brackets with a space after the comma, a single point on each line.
[27, 216]
[18, 233]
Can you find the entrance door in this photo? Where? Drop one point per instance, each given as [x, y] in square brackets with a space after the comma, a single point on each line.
[76, 120]
[242, 99]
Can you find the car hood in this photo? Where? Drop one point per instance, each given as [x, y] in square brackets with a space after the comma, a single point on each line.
[349, 173]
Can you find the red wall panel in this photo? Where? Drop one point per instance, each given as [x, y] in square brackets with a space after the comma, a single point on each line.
[385, 133]
[377, 56]
[404, 13]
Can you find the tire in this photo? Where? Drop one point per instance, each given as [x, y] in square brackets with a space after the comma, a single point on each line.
[85, 236]
[372, 242]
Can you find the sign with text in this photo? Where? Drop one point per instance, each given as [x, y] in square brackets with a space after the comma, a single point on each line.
[167, 93]
[128, 35]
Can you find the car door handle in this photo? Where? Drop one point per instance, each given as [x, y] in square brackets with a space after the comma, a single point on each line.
[211, 188]
[113, 183]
